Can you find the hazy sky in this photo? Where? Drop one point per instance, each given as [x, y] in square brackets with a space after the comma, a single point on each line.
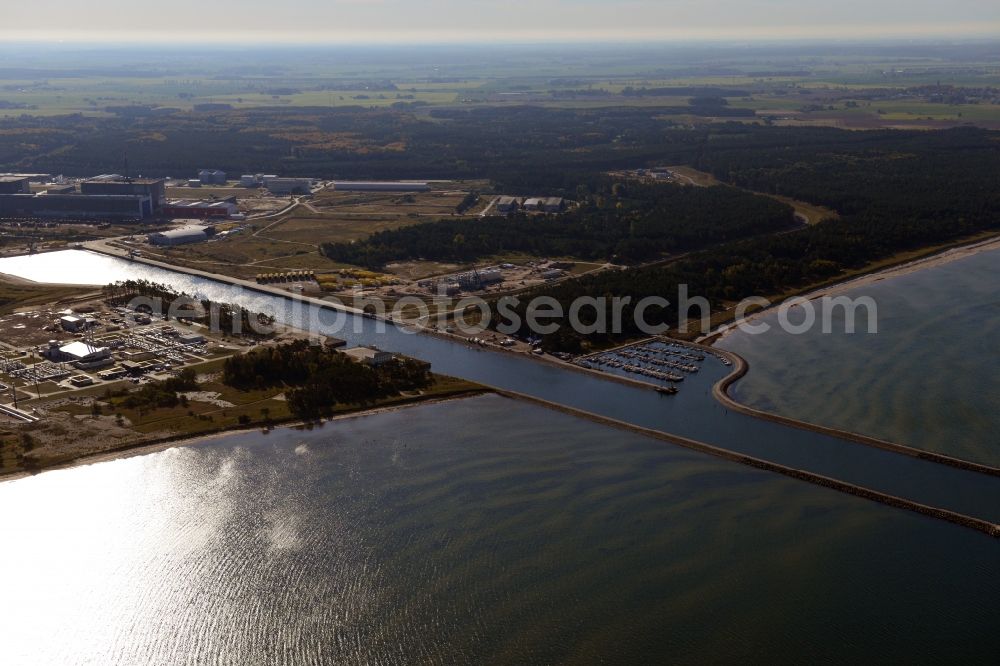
[492, 20]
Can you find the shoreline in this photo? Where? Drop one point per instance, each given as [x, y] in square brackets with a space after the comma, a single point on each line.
[145, 448]
[720, 391]
[141, 448]
[980, 525]
[942, 257]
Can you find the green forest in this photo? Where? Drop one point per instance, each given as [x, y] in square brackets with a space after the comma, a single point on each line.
[319, 379]
[162, 300]
[896, 191]
[625, 222]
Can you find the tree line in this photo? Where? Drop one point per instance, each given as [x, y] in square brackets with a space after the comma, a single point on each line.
[623, 221]
[162, 300]
[318, 379]
[896, 191]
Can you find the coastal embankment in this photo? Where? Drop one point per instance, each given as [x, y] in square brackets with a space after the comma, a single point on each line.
[793, 469]
[740, 369]
[720, 391]
[978, 524]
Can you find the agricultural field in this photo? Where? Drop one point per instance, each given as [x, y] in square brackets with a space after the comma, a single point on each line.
[137, 84]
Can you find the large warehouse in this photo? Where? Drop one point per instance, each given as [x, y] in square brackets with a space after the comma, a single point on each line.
[288, 185]
[14, 185]
[108, 197]
[192, 208]
[82, 355]
[76, 206]
[181, 236]
[153, 188]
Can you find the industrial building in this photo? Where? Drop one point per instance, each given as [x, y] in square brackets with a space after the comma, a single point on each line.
[553, 205]
[197, 209]
[473, 280]
[181, 236]
[250, 180]
[153, 188]
[379, 186]
[72, 324]
[368, 356]
[106, 197]
[14, 185]
[82, 355]
[507, 205]
[212, 177]
[544, 204]
[32, 177]
[280, 186]
[76, 206]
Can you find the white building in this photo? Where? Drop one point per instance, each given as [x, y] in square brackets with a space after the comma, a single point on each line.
[368, 356]
[71, 324]
[280, 186]
[84, 355]
[181, 236]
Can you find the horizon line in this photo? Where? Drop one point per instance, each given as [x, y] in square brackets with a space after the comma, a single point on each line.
[251, 38]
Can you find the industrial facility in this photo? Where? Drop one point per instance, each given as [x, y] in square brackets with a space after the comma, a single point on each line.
[104, 197]
[212, 177]
[76, 206]
[368, 356]
[82, 355]
[154, 189]
[180, 236]
[544, 204]
[197, 209]
[506, 204]
[14, 185]
[286, 186]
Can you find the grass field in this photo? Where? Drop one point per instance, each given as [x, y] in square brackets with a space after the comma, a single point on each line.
[260, 407]
[14, 295]
[292, 241]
